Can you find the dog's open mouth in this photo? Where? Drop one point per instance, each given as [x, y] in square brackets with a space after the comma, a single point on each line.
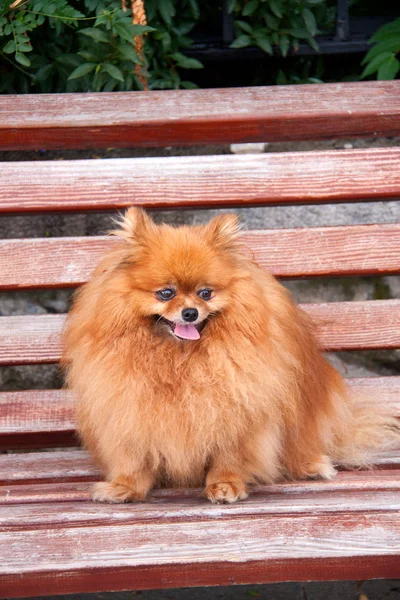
[183, 332]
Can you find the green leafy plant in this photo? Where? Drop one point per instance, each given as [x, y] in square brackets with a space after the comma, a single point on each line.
[280, 23]
[383, 57]
[50, 46]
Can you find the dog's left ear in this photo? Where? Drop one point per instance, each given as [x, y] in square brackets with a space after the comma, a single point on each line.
[223, 231]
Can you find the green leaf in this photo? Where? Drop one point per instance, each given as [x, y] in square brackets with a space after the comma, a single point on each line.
[189, 85]
[22, 59]
[69, 60]
[166, 10]
[250, 7]
[244, 26]
[231, 5]
[185, 62]
[284, 44]
[391, 45]
[315, 1]
[375, 63]
[281, 79]
[128, 31]
[10, 47]
[195, 9]
[388, 30]
[82, 70]
[113, 71]
[276, 8]
[88, 56]
[309, 21]
[263, 43]
[129, 53]
[44, 72]
[299, 33]
[389, 69]
[96, 34]
[313, 43]
[272, 22]
[25, 47]
[241, 42]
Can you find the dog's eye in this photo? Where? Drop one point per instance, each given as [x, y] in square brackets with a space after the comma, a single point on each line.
[166, 294]
[204, 294]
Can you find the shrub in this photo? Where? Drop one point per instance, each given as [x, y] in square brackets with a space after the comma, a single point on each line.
[50, 46]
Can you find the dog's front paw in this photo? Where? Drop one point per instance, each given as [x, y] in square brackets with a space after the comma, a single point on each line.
[114, 493]
[226, 492]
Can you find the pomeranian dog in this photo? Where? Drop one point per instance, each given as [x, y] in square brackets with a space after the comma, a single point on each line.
[192, 366]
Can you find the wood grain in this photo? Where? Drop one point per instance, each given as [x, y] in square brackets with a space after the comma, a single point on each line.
[37, 418]
[142, 555]
[260, 504]
[304, 112]
[47, 467]
[45, 418]
[201, 181]
[303, 252]
[340, 326]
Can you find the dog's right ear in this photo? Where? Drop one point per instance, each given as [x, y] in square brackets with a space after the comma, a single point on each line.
[134, 226]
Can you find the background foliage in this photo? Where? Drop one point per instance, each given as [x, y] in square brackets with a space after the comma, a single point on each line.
[88, 45]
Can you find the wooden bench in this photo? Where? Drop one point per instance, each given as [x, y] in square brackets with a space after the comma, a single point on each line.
[53, 539]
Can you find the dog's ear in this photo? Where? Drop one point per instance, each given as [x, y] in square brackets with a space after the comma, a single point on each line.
[134, 225]
[223, 231]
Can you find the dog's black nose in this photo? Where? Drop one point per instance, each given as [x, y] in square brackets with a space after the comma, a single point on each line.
[190, 314]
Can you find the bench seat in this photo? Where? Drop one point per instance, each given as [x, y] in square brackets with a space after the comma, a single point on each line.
[53, 538]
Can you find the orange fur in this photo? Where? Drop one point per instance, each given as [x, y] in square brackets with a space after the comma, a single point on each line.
[252, 400]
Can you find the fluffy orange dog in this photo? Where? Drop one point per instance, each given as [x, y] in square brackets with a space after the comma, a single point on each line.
[193, 366]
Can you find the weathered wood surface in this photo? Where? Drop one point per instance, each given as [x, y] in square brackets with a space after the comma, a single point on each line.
[219, 550]
[45, 418]
[302, 252]
[47, 467]
[304, 112]
[340, 326]
[383, 479]
[201, 181]
[37, 418]
[260, 503]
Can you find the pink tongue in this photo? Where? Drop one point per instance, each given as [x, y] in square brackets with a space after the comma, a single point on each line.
[187, 332]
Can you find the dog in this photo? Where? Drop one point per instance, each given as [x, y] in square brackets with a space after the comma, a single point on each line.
[192, 366]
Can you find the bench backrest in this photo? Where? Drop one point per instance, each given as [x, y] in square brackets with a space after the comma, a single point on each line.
[45, 418]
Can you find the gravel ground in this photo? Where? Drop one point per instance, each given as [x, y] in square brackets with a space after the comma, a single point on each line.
[328, 590]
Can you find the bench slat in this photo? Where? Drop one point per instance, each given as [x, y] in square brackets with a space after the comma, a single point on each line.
[261, 503]
[308, 252]
[80, 491]
[45, 418]
[302, 112]
[76, 466]
[341, 545]
[341, 326]
[201, 181]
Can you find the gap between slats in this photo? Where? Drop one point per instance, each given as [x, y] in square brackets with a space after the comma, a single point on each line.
[287, 253]
[221, 181]
[340, 326]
